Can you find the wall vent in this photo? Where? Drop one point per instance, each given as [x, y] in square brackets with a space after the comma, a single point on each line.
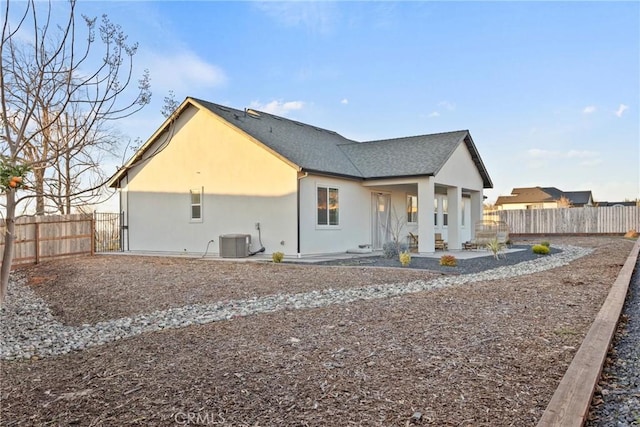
[235, 245]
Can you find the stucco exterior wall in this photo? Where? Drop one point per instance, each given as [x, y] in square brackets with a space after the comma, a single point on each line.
[354, 216]
[460, 171]
[242, 183]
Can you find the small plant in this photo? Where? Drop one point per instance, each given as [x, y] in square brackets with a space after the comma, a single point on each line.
[277, 257]
[448, 261]
[540, 249]
[393, 249]
[545, 243]
[495, 247]
[405, 258]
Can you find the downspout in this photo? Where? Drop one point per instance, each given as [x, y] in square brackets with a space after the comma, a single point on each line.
[127, 212]
[300, 177]
[124, 216]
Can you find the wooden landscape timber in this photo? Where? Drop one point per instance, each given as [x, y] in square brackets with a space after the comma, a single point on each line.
[570, 403]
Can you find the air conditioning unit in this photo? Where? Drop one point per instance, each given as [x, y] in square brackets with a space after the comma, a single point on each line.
[235, 245]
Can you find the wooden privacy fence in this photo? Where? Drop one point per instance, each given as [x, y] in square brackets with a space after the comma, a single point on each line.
[587, 220]
[53, 236]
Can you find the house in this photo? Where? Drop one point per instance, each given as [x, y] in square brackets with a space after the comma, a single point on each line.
[543, 198]
[211, 170]
[626, 203]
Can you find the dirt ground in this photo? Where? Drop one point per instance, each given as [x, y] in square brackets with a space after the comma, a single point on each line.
[487, 354]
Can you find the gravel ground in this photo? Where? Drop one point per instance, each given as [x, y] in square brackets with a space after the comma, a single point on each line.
[464, 266]
[617, 400]
[297, 345]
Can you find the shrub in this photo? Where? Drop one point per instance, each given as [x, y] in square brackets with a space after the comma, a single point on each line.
[631, 234]
[545, 243]
[393, 249]
[405, 258]
[448, 260]
[540, 249]
[495, 247]
[277, 256]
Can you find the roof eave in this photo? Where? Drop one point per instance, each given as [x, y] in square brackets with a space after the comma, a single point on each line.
[371, 178]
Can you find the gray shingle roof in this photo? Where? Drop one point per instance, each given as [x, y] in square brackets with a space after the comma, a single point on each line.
[307, 146]
[324, 151]
[578, 198]
[410, 156]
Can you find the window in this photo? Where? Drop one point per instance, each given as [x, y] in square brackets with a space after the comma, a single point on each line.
[435, 212]
[412, 208]
[462, 213]
[328, 206]
[196, 204]
[445, 212]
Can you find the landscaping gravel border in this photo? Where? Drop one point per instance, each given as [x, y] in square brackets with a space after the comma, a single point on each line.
[464, 265]
[29, 330]
[617, 401]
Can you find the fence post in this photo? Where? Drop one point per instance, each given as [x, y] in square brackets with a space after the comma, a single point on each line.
[37, 241]
[93, 233]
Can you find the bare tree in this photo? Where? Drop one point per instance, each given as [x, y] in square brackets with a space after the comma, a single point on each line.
[169, 105]
[565, 202]
[59, 91]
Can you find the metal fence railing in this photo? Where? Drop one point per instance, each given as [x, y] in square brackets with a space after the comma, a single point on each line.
[107, 232]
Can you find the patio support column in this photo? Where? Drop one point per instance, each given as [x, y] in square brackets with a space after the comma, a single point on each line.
[454, 204]
[426, 194]
[476, 211]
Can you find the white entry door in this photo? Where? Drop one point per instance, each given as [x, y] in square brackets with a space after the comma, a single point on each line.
[381, 219]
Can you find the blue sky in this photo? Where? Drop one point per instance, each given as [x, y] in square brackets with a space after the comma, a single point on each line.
[549, 90]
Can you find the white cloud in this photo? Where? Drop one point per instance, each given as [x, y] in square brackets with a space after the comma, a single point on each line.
[448, 105]
[621, 109]
[434, 114]
[536, 153]
[581, 154]
[345, 101]
[318, 17]
[589, 109]
[277, 107]
[184, 72]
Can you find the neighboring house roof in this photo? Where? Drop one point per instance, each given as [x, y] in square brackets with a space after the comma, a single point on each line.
[545, 194]
[579, 198]
[324, 151]
[525, 195]
[608, 204]
[553, 192]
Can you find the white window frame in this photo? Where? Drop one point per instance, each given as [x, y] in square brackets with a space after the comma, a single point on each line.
[199, 192]
[445, 212]
[463, 213]
[436, 204]
[328, 188]
[412, 215]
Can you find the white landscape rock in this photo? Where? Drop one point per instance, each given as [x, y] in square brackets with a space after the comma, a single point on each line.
[28, 328]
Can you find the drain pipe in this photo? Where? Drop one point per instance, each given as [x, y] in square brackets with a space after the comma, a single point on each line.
[300, 177]
[262, 249]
